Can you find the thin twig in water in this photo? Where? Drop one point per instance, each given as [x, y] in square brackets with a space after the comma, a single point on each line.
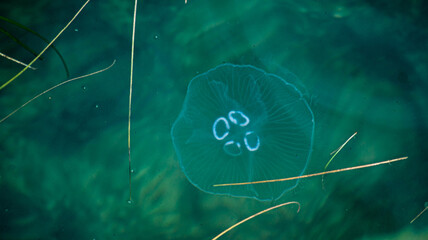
[426, 207]
[334, 153]
[52, 88]
[17, 61]
[37, 35]
[130, 100]
[338, 150]
[314, 174]
[255, 215]
[40, 54]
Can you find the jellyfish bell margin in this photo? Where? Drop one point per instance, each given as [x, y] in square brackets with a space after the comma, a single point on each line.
[239, 124]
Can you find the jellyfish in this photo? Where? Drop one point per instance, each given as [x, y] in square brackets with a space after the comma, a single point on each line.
[241, 124]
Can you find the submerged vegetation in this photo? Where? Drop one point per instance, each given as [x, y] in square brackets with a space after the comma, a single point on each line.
[63, 157]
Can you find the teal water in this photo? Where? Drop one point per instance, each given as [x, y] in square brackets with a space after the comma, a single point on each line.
[63, 158]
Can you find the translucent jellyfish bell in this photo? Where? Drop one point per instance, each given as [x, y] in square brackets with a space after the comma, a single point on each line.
[241, 124]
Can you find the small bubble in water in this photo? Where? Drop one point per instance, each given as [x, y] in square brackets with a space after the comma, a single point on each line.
[97, 106]
[83, 87]
[156, 37]
[76, 29]
[132, 170]
[49, 97]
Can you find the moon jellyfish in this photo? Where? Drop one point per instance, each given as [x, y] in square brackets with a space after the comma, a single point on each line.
[241, 124]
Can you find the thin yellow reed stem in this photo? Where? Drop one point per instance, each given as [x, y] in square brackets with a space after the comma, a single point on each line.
[130, 101]
[16, 61]
[419, 214]
[338, 150]
[255, 215]
[40, 54]
[52, 88]
[314, 174]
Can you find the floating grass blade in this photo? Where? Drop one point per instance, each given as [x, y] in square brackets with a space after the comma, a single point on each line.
[17, 61]
[313, 174]
[15, 39]
[38, 56]
[334, 153]
[426, 207]
[130, 101]
[338, 150]
[37, 35]
[52, 88]
[255, 215]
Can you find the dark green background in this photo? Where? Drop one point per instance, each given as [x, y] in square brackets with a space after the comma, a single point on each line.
[63, 158]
